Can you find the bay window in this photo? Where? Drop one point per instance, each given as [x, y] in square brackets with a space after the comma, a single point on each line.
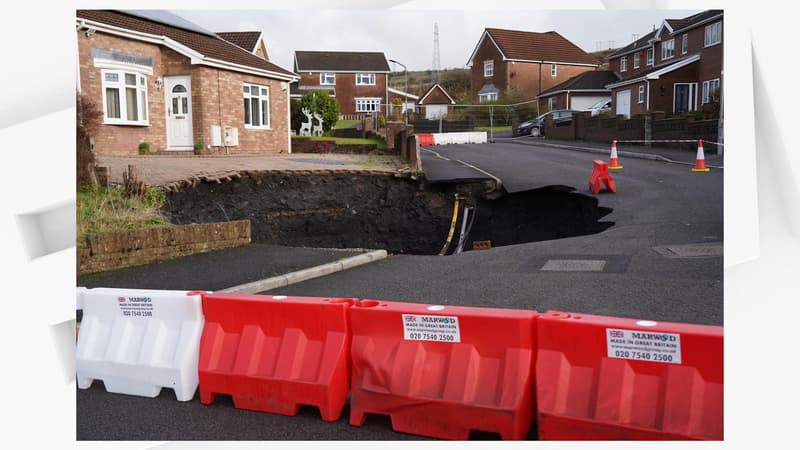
[124, 97]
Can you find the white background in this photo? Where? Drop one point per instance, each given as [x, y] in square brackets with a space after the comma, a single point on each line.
[762, 215]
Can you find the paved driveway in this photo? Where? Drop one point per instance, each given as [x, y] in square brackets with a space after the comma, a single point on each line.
[157, 170]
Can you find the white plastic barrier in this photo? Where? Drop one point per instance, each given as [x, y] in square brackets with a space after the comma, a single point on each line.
[138, 341]
[466, 137]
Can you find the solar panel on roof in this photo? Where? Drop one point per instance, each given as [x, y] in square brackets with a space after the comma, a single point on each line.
[167, 18]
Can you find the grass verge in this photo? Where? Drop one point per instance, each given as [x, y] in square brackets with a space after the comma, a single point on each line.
[110, 209]
[339, 140]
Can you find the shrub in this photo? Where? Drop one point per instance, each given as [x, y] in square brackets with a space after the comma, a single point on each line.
[199, 148]
[322, 103]
[144, 148]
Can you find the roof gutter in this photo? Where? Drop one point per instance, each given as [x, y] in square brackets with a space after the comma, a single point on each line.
[560, 91]
[657, 74]
[194, 56]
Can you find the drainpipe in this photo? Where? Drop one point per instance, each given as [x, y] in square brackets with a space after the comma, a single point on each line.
[648, 95]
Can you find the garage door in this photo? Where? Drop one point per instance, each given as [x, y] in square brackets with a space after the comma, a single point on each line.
[582, 103]
[623, 103]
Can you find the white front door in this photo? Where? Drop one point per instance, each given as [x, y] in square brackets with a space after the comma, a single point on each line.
[179, 113]
[624, 103]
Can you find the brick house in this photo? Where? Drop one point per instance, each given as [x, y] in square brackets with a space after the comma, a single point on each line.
[529, 63]
[358, 80]
[162, 80]
[579, 92]
[436, 102]
[676, 68]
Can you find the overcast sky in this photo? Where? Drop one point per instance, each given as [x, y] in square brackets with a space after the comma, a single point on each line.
[408, 35]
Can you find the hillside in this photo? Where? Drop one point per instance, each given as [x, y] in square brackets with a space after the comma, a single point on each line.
[454, 81]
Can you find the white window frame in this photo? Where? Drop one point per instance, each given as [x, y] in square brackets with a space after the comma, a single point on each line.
[263, 105]
[708, 86]
[553, 70]
[636, 58]
[650, 56]
[668, 49]
[491, 96]
[623, 64]
[692, 95]
[143, 116]
[551, 103]
[488, 68]
[684, 43]
[365, 79]
[368, 104]
[641, 94]
[713, 34]
[327, 78]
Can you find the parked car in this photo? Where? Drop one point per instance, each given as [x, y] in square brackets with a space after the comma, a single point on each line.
[535, 127]
[601, 107]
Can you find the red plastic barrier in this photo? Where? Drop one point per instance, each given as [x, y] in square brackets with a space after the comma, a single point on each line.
[425, 139]
[273, 353]
[606, 378]
[443, 371]
[600, 173]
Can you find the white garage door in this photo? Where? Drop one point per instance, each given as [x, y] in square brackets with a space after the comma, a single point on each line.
[623, 103]
[433, 112]
[582, 103]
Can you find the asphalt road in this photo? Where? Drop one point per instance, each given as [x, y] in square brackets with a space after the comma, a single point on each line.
[657, 204]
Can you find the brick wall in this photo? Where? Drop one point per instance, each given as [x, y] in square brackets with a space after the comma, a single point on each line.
[217, 99]
[109, 251]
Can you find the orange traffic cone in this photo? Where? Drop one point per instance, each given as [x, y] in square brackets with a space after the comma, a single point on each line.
[700, 163]
[614, 162]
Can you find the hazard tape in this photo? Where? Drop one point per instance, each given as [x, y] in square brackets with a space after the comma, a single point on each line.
[670, 140]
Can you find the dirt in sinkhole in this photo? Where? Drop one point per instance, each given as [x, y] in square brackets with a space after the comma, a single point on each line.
[400, 215]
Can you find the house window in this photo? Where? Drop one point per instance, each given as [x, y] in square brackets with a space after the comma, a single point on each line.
[684, 44]
[327, 78]
[551, 103]
[641, 94]
[368, 104]
[124, 98]
[713, 34]
[650, 56]
[668, 49]
[488, 68]
[553, 70]
[710, 90]
[623, 64]
[491, 96]
[365, 79]
[636, 60]
[256, 106]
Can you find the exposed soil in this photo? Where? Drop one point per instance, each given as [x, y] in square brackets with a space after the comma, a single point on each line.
[380, 211]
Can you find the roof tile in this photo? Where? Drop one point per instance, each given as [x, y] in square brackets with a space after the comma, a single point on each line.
[532, 46]
[316, 61]
[209, 46]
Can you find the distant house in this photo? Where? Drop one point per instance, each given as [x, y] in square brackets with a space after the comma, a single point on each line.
[252, 41]
[160, 80]
[579, 92]
[409, 101]
[526, 62]
[359, 80]
[675, 69]
[436, 102]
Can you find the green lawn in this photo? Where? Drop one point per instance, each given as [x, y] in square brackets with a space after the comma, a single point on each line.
[346, 123]
[381, 145]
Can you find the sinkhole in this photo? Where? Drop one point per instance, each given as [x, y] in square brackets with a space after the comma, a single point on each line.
[380, 211]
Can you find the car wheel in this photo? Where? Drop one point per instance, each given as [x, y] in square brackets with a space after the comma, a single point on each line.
[535, 131]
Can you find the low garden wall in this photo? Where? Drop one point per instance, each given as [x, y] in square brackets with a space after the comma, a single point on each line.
[110, 251]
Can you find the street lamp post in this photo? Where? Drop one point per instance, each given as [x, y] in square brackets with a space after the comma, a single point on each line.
[405, 91]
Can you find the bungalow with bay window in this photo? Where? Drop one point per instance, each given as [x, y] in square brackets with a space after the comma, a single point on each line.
[162, 80]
